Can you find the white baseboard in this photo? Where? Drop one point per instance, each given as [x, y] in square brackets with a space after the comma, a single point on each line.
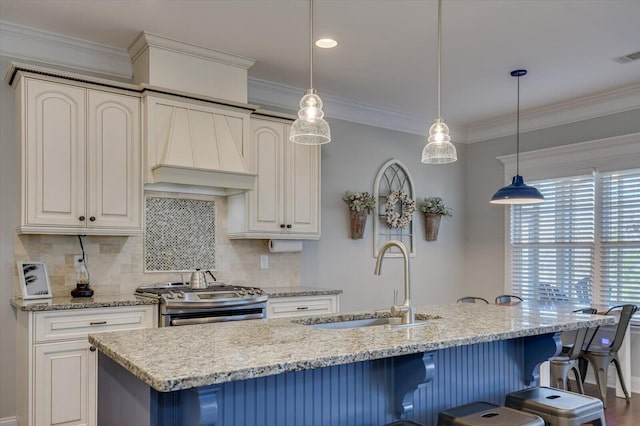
[9, 421]
[635, 385]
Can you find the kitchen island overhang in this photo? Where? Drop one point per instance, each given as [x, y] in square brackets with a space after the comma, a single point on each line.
[470, 351]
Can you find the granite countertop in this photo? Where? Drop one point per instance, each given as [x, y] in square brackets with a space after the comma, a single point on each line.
[225, 352]
[67, 302]
[294, 291]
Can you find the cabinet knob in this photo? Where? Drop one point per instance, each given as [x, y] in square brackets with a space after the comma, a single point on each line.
[92, 218]
[92, 348]
[282, 225]
[289, 226]
[81, 218]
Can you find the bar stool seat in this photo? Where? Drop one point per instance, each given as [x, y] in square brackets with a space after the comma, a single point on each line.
[484, 413]
[558, 407]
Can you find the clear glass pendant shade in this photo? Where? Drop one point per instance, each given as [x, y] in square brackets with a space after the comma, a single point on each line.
[439, 149]
[310, 128]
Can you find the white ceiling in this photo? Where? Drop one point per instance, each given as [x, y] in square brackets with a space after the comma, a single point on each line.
[386, 56]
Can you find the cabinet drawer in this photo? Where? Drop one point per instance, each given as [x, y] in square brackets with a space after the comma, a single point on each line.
[298, 306]
[77, 324]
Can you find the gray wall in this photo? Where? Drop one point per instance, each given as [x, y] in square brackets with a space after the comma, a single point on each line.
[351, 162]
[8, 198]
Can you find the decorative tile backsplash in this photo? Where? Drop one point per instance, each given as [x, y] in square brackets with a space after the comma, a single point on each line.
[180, 234]
[116, 264]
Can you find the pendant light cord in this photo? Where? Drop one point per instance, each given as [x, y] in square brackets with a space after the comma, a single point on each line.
[310, 44]
[518, 132]
[439, 50]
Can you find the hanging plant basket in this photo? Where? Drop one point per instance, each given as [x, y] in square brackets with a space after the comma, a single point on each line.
[431, 226]
[358, 223]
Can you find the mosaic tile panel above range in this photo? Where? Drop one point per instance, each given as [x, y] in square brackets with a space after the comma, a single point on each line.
[180, 234]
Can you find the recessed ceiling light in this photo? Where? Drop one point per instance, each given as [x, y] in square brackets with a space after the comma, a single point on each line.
[326, 43]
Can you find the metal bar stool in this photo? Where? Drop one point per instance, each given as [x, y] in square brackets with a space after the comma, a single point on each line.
[558, 407]
[484, 413]
[560, 366]
[600, 355]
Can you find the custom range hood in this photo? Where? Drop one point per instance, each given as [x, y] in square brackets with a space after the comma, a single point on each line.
[196, 119]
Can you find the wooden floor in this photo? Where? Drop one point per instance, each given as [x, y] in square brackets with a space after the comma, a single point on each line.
[618, 412]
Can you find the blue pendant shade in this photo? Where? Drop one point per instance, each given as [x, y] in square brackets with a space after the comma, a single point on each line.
[518, 192]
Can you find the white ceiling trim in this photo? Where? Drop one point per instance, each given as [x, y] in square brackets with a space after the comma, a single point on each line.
[598, 105]
[25, 43]
[30, 44]
[609, 154]
[288, 97]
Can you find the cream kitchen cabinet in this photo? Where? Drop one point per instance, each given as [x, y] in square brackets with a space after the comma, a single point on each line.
[80, 158]
[285, 203]
[57, 367]
[279, 307]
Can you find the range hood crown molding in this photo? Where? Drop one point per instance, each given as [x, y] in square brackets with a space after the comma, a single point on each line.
[146, 40]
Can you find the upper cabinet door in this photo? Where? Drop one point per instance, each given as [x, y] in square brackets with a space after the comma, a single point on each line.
[54, 154]
[113, 160]
[303, 187]
[266, 201]
[285, 203]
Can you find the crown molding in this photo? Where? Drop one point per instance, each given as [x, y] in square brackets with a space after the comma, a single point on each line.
[608, 154]
[25, 43]
[146, 40]
[30, 44]
[287, 98]
[592, 106]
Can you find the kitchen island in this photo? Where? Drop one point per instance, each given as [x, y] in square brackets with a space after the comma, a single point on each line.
[284, 371]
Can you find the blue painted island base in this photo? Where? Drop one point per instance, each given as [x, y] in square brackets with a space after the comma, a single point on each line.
[376, 392]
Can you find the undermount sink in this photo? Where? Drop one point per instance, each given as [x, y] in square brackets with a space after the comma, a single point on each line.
[337, 322]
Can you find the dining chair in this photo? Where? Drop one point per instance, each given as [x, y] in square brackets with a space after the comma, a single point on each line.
[508, 299]
[563, 364]
[472, 299]
[600, 352]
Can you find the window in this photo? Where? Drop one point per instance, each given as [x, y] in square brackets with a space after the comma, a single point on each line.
[552, 244]
[583, 243]
[619, 226]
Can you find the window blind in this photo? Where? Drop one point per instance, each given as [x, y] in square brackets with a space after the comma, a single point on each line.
[619, 229]
[553, 243]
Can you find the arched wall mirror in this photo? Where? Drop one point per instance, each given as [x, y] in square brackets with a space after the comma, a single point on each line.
[392, 176]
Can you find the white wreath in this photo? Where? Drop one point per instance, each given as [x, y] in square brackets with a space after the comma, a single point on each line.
[395, 219]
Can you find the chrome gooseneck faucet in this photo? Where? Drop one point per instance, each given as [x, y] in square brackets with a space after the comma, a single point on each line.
[406, 309]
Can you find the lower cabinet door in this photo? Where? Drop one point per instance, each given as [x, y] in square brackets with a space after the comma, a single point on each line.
[67, 388]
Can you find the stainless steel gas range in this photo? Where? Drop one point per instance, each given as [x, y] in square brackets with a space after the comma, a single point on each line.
[183, 305]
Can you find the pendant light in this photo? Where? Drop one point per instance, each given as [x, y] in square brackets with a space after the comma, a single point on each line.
[310, 128]
[518, 192]
[439, 149]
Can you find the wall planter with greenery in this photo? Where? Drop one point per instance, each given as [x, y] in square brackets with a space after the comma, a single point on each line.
[360, 205]
[433, 209]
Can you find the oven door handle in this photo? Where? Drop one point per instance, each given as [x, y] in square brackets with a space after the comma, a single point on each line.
[207, 320]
